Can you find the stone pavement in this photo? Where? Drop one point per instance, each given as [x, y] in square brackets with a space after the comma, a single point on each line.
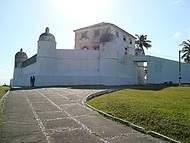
[57, 115]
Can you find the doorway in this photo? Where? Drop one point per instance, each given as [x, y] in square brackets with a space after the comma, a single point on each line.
[141, 73]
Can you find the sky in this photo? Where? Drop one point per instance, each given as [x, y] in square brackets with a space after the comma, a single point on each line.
[165, 22]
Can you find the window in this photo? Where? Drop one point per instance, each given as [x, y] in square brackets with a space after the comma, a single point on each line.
[117, 33]
[126, 49]
[130, 41]
[124, 38]
[97, 47]
[84, 35]
[96, 33]
[85, 47]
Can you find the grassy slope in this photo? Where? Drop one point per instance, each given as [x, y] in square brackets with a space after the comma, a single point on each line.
[3, 90]
[166, 111]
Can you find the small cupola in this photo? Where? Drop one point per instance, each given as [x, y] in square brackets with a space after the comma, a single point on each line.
[47, 36]
[20, 57]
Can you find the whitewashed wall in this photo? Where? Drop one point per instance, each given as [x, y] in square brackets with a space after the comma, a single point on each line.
[80, 67]
[87, 67]
[112, 64]
[23, 79]
[99, 67]
[92, 41]
[164, 70]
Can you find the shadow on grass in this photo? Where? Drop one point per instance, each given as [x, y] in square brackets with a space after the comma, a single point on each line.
[152, 87]
[157, 87]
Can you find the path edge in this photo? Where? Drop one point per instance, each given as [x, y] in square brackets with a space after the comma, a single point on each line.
[122, 121]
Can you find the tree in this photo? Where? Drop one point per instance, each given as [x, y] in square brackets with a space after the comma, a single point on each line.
[186, 51]
[142, 42]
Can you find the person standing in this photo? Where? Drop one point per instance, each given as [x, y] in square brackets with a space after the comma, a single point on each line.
[33, 81]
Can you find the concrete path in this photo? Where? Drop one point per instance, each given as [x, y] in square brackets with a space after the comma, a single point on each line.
[57, 115]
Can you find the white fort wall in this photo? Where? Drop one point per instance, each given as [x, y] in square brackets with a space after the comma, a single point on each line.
[163, 70]
[86, 67]
[106, 58]
[77, 62]
[23, 79]
[103, 67]
[123, 39]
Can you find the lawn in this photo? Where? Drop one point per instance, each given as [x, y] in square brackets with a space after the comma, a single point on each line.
[3, 90]
[165, 110]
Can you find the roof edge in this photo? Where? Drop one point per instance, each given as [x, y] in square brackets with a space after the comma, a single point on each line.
[104, 23]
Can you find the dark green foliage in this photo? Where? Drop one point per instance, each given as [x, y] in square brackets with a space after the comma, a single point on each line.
[186, 51]
[142, 42]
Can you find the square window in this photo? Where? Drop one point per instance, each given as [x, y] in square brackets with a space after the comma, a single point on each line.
[97, 47]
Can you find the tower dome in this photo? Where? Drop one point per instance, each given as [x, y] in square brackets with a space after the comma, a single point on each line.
[20, 57]
[21, 54]
[46, 36]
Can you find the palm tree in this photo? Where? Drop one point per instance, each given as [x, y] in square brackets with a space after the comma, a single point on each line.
[142, 42]
[186, 51]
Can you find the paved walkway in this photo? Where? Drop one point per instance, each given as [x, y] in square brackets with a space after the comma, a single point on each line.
[57, 115]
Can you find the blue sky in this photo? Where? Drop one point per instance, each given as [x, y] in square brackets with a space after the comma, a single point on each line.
[166, 22]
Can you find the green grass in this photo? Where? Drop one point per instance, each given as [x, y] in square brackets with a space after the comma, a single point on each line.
[3, 90]
[164, 110]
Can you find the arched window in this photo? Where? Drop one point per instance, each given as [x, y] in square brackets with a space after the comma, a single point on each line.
[85, 47]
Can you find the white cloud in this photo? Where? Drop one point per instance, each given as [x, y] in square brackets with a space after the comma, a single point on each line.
[178, 1]
[176, 35]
